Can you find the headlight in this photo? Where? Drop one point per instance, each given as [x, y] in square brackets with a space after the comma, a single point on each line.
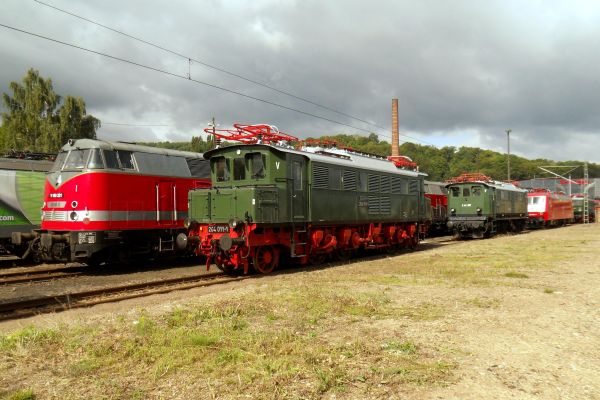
[186, 223]
[453, 210]
[478, 209]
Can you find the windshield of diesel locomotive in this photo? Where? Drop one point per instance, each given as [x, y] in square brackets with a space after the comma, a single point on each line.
[221, 169]
[476, 190]
[257, 165]
[60, 160]
[455, 191]
[76, 159]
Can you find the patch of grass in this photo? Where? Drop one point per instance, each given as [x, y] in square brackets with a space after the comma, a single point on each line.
[25, 394]
[144, 325]
[548, 291]
[516, 275]
[422, 312]
[84, 366]
[29, 336]
[484, 302]
[328, 378]
[407, 347]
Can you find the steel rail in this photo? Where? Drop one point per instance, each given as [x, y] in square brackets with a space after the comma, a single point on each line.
[62, 302]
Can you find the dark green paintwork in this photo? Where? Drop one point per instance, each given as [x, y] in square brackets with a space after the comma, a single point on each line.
[290, 192]
[498, 205]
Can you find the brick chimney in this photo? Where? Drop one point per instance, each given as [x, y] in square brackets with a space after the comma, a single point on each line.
[395, 133]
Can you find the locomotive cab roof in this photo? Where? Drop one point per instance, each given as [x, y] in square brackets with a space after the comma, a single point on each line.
[95, 155]
[494, 184]
[81, 144]
[341, 157]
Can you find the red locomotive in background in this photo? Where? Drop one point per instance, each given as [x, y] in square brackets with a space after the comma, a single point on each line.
[546, 208]
[107, 201]
[437, 193]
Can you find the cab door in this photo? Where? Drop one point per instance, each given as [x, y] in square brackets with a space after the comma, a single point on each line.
[165, 202]
[297, 182]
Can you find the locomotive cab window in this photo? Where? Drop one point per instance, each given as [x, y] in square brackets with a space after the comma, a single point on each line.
[221, 169]
[455, 191]
[126, 159]
[96, 161]
[111, 159]
[476, 190]
[239, 169]
[257, 163]
[77, 159]
[466, 192]
[60, 160]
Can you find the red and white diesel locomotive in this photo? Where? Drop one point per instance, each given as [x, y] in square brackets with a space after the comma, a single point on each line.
[107, 201]
[546, 208]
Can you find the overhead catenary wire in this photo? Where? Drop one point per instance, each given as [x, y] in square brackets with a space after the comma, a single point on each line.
[190, 59]
[186, 77]
[155, 69]
[127, 124]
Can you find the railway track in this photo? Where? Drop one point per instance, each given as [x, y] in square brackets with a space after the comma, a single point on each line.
[38, 274]
[55, 303]
[22, 308]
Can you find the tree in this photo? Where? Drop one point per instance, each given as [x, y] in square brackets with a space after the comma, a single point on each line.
[37, 121]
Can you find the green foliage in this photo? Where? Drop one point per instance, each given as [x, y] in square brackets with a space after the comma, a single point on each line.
[37, 121]
[197, 145]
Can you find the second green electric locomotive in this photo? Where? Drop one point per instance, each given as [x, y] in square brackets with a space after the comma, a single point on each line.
[480, 207]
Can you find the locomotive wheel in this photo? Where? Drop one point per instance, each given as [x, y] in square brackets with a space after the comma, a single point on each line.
[265, 259]
[343, 254]
[317, 259]
[413, 242]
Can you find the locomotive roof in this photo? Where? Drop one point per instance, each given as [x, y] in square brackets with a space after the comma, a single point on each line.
[109, 145]
[494, 184]
[331, 156]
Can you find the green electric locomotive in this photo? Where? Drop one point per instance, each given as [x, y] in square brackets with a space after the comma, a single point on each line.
[22, 177]
[270, 202]
[479, 206]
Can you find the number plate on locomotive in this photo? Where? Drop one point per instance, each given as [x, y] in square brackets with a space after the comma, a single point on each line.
[218, 229]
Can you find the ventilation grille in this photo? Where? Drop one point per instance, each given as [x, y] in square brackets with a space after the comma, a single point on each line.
[396, 185]
[414, 187]
[385, 184]
[349, 180]
[373, 205]
[320, 177]
[373, 183]
[385, 206]
[55, 216]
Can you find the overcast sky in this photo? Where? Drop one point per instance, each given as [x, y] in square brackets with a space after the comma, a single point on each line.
[463, 71]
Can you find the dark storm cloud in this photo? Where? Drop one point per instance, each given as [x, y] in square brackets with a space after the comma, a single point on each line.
[465, 69]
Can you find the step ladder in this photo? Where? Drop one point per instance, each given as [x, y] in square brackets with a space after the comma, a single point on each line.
[166, 245]
[303, 240]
